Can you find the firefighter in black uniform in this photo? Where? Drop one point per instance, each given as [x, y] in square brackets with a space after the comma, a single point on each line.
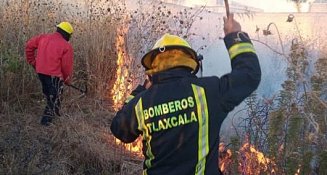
[180, 115]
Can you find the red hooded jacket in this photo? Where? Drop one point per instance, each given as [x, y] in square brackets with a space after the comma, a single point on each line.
[54, 55]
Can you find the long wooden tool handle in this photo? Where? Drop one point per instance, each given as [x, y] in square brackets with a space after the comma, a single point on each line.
[227, 8]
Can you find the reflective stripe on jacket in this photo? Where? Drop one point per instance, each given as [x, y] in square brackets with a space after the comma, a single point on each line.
[54, 55]
[180, 115]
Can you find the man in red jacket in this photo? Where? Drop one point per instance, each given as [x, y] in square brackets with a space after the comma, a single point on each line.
[53, 62]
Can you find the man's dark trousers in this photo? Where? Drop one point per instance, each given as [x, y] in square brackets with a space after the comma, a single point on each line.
[52, 88]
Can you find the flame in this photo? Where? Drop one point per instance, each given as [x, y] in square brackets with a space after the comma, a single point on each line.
[134, 148]
[250, 161]
[121, 87]
[225, 158]
[254, 162]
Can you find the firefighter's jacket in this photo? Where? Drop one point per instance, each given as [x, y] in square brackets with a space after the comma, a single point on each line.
[180, 115]
[54, 55]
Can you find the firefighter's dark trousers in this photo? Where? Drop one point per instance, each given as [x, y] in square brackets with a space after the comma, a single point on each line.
[52, 88]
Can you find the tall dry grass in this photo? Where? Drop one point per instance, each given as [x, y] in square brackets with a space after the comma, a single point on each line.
[97, 24]
[93, 42]
[79, 142]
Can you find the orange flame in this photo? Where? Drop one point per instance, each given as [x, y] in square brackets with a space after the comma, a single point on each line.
[134, 148]
[254, 162]
[121, 86]
[250, 161]
[225, 158]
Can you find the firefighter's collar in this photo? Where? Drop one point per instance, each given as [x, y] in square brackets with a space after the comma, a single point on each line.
[171, 75]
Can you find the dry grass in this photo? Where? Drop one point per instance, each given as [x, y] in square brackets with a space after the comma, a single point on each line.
[78, 142]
